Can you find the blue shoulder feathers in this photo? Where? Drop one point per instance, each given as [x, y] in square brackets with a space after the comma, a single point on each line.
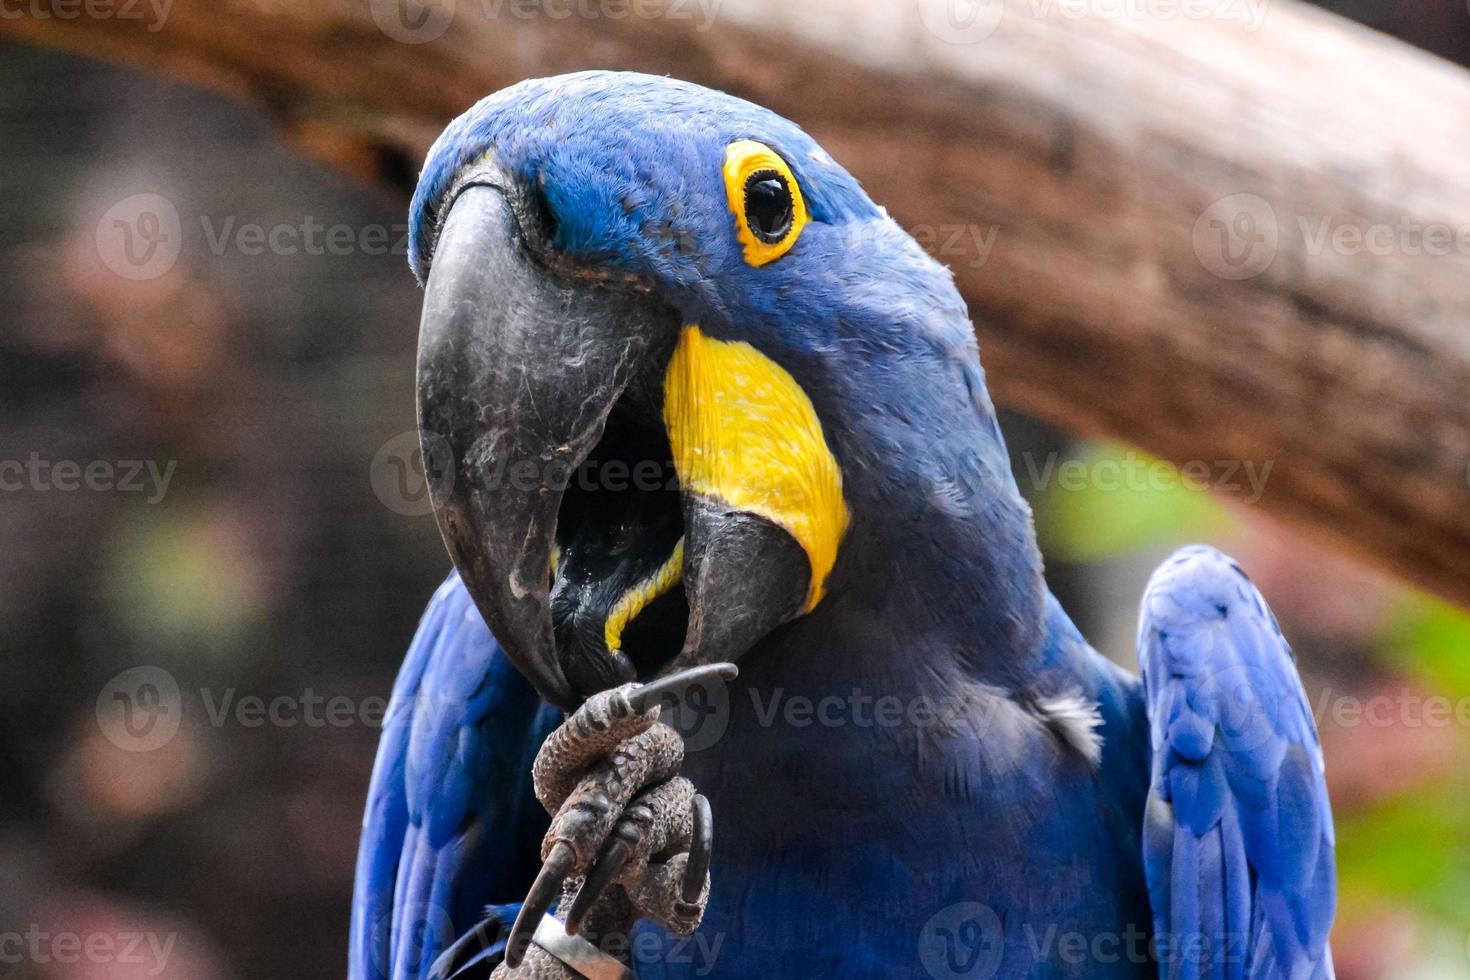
[451, 825]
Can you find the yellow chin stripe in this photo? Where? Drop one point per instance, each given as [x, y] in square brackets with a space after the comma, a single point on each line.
[636, 599]
[743, 432]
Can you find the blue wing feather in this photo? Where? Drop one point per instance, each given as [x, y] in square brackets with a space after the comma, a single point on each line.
[1238, 841]
[451, 825]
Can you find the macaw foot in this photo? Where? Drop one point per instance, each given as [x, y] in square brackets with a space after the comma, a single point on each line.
[630, 839]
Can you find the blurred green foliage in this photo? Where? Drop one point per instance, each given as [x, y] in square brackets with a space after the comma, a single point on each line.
[1096, 519]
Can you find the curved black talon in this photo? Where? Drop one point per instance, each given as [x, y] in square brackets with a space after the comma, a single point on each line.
[543, 892]
[602, 874]
[701, 847]
[676, 685]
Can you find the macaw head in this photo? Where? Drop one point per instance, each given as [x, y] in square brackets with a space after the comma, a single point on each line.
[680, 380]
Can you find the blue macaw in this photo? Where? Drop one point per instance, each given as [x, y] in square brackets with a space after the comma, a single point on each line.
[922, 769]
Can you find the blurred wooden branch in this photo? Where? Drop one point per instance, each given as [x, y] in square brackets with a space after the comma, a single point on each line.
[1221, 230]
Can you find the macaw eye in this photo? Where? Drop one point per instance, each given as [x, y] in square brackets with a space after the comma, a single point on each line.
[769, 208]
[766, 201]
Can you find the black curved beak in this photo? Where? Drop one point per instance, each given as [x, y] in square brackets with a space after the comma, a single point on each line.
[520, 366]
[518, 369]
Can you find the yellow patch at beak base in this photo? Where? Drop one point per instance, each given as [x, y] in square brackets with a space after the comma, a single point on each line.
[744, 432]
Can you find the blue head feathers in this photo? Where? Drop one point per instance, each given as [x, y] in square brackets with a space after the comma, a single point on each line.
[629, 169]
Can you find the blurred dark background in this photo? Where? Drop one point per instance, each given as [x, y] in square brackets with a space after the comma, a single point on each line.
[210, 493]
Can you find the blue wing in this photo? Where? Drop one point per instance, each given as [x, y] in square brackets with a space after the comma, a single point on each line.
[451, 824]
[1238, 840]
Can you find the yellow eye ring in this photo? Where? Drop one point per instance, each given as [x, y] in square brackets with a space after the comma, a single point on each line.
[766, 201]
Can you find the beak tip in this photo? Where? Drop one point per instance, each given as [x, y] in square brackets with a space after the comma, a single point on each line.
[548, 678]
[554, 688]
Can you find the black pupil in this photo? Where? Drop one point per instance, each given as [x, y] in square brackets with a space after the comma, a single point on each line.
[768, 206]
